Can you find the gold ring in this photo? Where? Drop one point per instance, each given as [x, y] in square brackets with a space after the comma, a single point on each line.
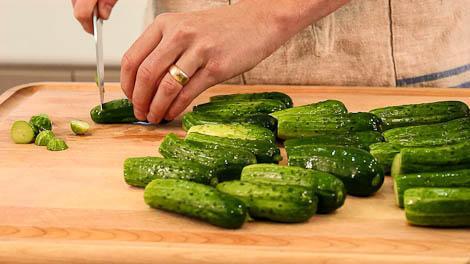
[179, 75]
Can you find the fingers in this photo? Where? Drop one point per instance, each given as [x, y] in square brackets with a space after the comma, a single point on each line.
[83, 12]
[105, 7]
[169, 88]
[148, 73]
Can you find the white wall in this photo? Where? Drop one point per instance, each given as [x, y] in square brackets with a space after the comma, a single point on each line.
[45, 32]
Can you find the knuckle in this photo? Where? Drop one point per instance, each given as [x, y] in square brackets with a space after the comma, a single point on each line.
[203, 49]
[127, 63]
[169, 86]
[144, 73]
[79, 14]
[214, 69]
[185, 99]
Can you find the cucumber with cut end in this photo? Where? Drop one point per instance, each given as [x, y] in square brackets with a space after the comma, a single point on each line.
[360, 172]
[384, 152]
[443, 207]
[329, 189]
[56, 144]
[22, 132]
[230, 109]
[191, 119]
[360, 140]
[140, 171]
[43, 138]
[235, 131]
[40, 123]
[290, 204]
[328, 107]
[254, 96]
[196, 200]
[115, 111]
[420, 114]
[454, 178]
[79, 127]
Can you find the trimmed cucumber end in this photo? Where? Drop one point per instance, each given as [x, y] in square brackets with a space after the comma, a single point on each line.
[22, 132]
[79, 127]
[396, 165]
[57, 144]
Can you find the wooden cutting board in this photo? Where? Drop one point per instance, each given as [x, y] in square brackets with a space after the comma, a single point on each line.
[74, 207]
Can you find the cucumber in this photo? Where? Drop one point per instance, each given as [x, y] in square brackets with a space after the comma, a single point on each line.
[40, 123]
[79, 127]
[255, 96]
[450, 132]
[225, 163]
[329, 189]
[265, 151]
[230, 109]
[235, 131]
[360, 172]
[289, 204]
[384, 152]
[22, 132]
[420, 114]
[444, 207]
[43, 138]
[328, 107]
[360, 140]
[140, 171]
[403, 182]
[439, 158]
[115, 111]
[191, 119]
[56, 144]
[196, 200]
[310, 125]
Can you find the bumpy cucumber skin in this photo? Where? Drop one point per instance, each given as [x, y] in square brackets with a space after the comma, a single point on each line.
[225, 163]
[115, 111]
[235, 131]
[43, 138]
[360, 140]
[22, 132]
[290, 204]
[384, 153]
[403, 182]
[191, 119]
[265, 151]
[255, 96]
[40, 123]
[356, 168]
[231, 109]
[420, 114]
[56, 144]
[328, 107]
[196, 200]
[450, 132]
[440, 207]
[329, 189]
[140, 171]
[308, 126]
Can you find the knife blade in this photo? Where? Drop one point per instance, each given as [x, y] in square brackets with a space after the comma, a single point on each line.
[97, 34]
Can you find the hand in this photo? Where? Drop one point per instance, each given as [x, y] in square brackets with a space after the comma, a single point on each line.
[210, 46]
[83, 11]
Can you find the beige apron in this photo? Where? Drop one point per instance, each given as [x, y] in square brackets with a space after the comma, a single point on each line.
[367, 43]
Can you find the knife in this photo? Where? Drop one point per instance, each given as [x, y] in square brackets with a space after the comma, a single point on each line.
[97, 34]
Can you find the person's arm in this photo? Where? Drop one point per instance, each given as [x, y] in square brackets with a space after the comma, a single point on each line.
[83, 11]
[210, 46]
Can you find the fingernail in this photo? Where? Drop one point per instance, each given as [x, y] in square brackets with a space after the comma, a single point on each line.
[151, 118]
[139, 115]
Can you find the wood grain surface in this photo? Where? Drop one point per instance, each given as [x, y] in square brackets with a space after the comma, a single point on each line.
[74, 207]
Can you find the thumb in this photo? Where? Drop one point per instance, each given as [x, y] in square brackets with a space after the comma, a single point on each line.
[105, 7]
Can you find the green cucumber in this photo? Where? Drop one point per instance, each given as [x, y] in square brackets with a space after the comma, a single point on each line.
[115, 111]
[56, 144]
[196, 200]
[230, 109]
[450, 132]
[360, 172]
[40, 123]
[79, 127]
[254, 96]
[22, 132]
[420, 114]
[191, 119]
[265, 151]
[225, 163]
[442, 207]
[403, 182]
[361, 139]
[290, 204]
[43, 138]
[312, 125]
[384, 152]
[140, 171]
[329, 189]
[235, 131]
[328, 107]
